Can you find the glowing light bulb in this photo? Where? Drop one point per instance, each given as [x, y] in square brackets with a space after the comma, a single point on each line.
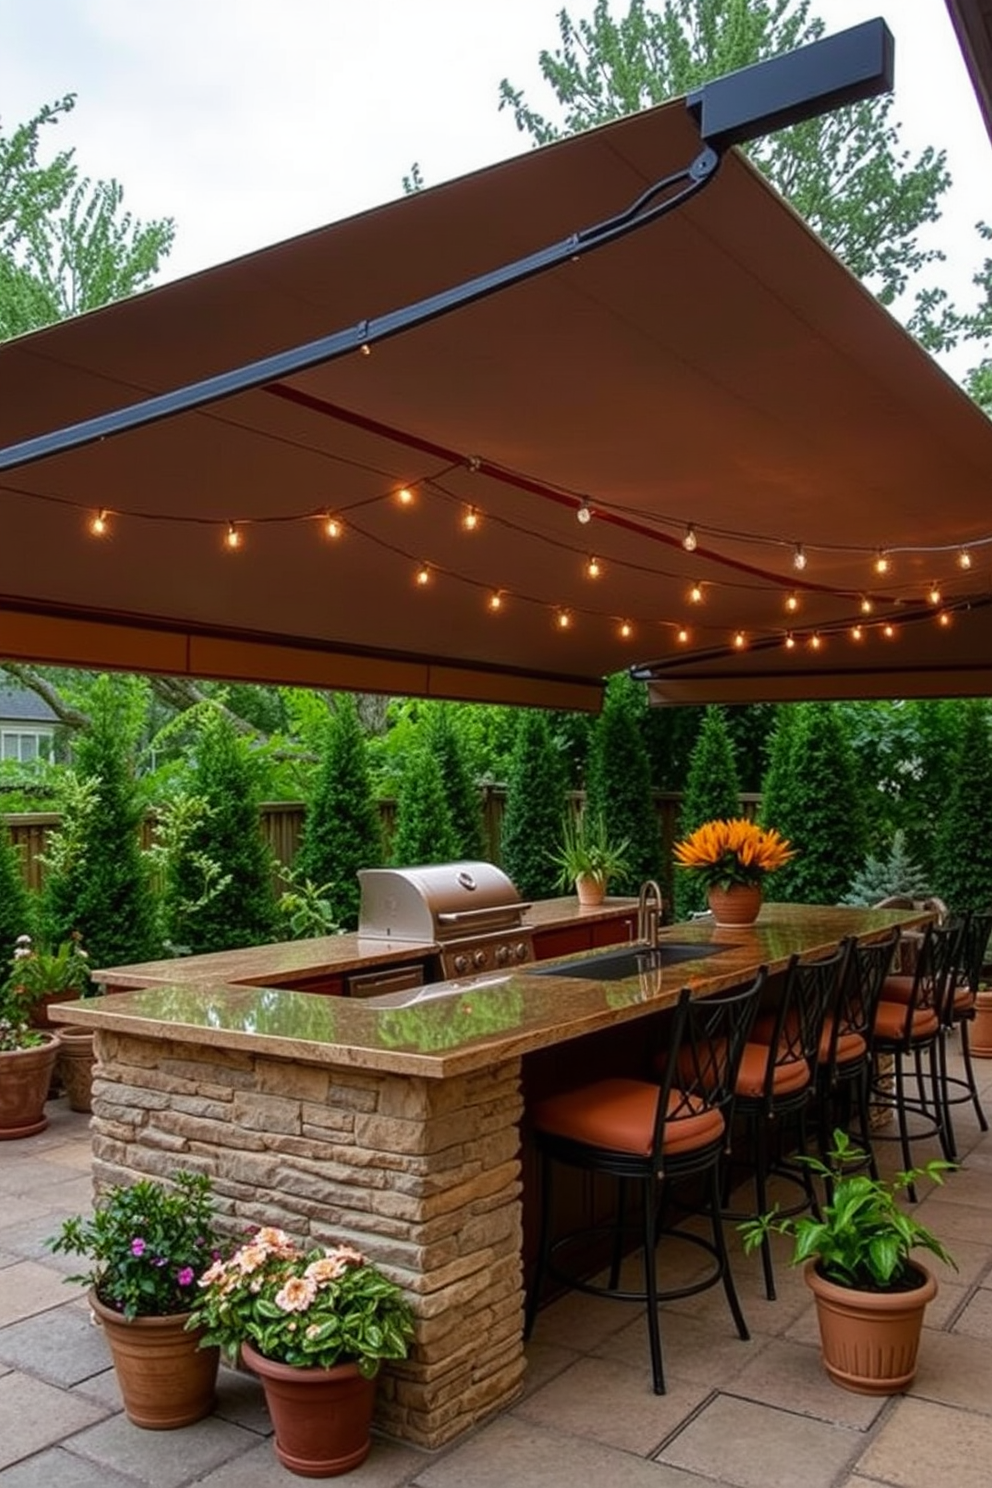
[857, 633]
[232, 537]
[943, 618]
[696, 594]
[792, 602]
[423, 575]
[683, 636]
[740, 640]
[964, 558]
[815, 641]
[404, 496]
[332, 528]
[99, 523]
[867, 606]
[881, 562]
[799, 557]
[593, 569]
[888, 632]
[496, 600]
[563, 620]
[790, 642]
[584, 513]
[625, 630]
[470, 519]
[934, 594]
[689, 542]
[365, 349]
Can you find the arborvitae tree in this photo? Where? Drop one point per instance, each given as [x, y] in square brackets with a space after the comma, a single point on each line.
[536, 799]
[243, 912]
[712, 793]
[464, 802]
[963, 856]
[15, 906]
[814, 801]
[342, 831]
[618, 782]
[424, 829]
[97, 880]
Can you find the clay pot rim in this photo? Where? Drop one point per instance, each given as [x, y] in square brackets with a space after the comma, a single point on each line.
[894, 1300]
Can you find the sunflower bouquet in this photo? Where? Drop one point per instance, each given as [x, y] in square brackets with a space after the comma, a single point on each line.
[725, 853]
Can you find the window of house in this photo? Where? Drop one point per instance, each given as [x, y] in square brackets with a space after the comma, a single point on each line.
[25, 745]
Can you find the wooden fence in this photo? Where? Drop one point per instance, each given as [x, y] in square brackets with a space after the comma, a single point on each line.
[282, 823]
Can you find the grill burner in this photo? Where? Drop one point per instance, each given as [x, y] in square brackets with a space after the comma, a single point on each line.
[469, 912]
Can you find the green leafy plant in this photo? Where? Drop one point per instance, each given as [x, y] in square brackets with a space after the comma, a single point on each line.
[33, 974]
[146, 1243]
[587, 850]
[864, 1239]
[306, 1308]
[308, 907]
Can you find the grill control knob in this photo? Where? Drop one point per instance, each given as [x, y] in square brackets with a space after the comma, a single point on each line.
[502, 955]
[520, 950]
[461, 964]
[479, 959]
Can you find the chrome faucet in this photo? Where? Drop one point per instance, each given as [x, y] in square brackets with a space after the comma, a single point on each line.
[649, 908]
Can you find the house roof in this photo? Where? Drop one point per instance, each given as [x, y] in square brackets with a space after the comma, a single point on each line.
[717, 367]
[22, 705]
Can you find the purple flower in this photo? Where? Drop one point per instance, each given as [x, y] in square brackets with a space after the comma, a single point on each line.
[137, 1246]
[185, 1277]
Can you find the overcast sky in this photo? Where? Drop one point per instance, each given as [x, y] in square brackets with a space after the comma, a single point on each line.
[249, 121]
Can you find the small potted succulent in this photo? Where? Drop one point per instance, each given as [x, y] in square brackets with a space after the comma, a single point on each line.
[870, 1292]
[588, 856]
[147, 1244]
[314, 1323]
[732, 857]
[27, 1054]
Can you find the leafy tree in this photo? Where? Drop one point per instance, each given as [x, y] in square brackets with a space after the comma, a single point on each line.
[618, 784]
[342, 830]
[464, 803]
[425, 832]
[15, 906]
[65, 244]
[963, 856]
[846, 173]
[812, 797]
[712, 793]
[228, 833]
[536, 798]
[97, 879]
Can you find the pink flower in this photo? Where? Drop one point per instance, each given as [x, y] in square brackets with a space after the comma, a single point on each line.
[297, 1294]
[185, 1277]
[137, 1246]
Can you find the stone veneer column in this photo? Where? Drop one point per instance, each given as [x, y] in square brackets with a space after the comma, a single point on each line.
[421, 1174]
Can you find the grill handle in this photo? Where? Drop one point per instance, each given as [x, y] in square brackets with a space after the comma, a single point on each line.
[460, 916]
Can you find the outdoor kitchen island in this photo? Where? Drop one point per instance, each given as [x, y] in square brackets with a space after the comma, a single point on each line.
[396, 1123]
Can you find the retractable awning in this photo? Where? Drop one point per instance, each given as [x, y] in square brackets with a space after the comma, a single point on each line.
[717, 368]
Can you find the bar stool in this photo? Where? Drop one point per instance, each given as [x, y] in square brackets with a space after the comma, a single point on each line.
[775, 1085]
[959, 1010]
[843, 1071]
[651, 1135]
[908, 1025]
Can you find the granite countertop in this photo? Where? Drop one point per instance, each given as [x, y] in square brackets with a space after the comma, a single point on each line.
[453, 1028]
[328, 955]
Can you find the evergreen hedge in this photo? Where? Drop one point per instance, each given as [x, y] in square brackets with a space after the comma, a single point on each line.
[536, 801]
[618, 782]
[712, 793]
[15, 908]
[963, 851]
[424, 829]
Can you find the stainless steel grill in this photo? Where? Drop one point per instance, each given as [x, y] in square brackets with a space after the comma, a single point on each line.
[470, 913]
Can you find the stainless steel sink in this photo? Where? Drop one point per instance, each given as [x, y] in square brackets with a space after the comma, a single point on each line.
[628, 961]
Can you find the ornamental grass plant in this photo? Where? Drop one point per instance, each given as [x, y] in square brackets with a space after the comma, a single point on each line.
[308, 1308]
[147, 1244]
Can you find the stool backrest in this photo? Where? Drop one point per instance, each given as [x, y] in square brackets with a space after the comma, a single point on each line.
[975, 934]
[936, 969]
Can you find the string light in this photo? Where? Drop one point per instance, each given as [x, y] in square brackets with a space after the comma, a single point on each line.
[625, 630]
[815, 641]
[332, 528]
[584, 514]
[867, 605]
[365, 349]
[470, 519]
[943, 618]
[563, 619]
[799, 557]
[964, 558]
[99, 523]
[683, 636]
[857, 633]
[232, 537]
[792, 602]
[689, 541]
[740, 640]
[696, 594]
[404, 496]
[593, 569]
[881, 562]
[934, 595]
[790, 642]
[423, 575]
[889, 632]
[496, 600]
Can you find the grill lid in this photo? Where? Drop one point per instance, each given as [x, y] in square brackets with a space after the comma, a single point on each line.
[439, 902]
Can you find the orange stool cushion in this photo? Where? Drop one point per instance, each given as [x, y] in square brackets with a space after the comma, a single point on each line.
[618, 1115]
[890, 1022]
[789, 1076]
[964, 1001]
[898, 989]
[849, 1045]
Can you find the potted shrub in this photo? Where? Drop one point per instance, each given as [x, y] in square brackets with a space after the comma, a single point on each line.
[870, 1294]
[62, 975]
[588, 857]
[147, 1244]
[731, 858]
[27, 1054]
[314, 1325]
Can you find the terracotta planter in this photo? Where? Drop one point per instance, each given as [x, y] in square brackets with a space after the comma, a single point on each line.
[25, 1077]
[980, 1033]
[165, 1379]
[591, 891]
[739, 905]
[870, 1340]
[75, 1066]
[322, 1417]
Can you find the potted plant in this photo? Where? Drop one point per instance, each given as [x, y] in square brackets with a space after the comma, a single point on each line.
[588, 857]
[870, 1294]
[314, 1325]
[147, 1244]
[732, 858]
[62, 975]
[27, 1054]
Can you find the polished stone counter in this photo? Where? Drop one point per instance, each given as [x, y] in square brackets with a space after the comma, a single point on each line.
[455, 1028]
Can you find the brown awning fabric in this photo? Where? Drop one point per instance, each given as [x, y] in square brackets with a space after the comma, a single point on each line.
[718, 367]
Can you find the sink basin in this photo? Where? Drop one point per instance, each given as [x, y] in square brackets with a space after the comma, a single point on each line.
[628, 961]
